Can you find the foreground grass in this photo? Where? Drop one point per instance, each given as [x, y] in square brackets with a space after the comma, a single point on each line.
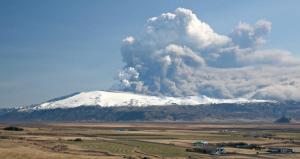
[58, 142]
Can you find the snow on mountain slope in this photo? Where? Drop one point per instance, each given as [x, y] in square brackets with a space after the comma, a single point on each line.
[111, 99]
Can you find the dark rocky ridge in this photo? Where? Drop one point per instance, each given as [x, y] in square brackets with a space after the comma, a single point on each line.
[212, 112]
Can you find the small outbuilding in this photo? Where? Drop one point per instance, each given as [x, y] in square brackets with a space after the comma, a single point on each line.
[200, 143]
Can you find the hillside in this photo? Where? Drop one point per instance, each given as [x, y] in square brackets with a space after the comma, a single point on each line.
[266, 112]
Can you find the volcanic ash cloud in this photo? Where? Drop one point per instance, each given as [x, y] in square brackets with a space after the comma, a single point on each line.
[180, 55]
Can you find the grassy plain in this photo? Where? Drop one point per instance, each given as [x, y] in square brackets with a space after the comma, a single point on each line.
[140, 140]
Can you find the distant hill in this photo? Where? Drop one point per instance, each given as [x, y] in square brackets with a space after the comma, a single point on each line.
[283, 120]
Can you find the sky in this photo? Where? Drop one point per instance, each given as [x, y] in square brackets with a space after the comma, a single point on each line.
[53, 48]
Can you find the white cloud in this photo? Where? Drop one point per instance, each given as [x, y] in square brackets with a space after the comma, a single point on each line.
[128, 40]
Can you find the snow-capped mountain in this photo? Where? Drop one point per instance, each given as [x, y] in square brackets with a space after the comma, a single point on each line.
[115, 106]
[117, 99]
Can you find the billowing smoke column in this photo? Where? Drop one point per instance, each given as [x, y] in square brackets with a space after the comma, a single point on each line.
[179, 55]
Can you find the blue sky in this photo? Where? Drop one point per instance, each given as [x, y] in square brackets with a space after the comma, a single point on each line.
[57, 47]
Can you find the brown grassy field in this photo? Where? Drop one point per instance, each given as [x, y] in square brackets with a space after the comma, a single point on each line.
[140, 140]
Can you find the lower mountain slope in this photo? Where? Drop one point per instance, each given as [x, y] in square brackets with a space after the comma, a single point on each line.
[225, 112]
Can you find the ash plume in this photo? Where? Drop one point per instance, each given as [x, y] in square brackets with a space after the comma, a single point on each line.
[180, 55]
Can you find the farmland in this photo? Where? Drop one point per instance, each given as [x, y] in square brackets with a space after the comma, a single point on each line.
[143, 140]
